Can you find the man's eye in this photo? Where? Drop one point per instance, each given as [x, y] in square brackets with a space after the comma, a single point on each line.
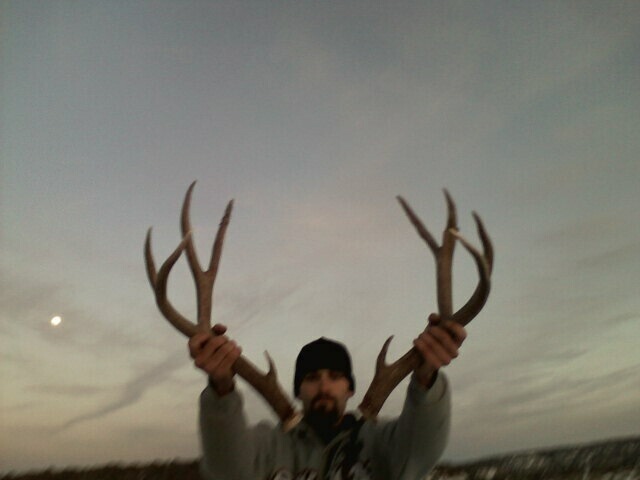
[335, 375]
[311, 377]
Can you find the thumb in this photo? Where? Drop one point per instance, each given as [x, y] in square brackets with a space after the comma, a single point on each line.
[219, 329]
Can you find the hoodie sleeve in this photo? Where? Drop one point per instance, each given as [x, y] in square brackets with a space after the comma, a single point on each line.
[231, 450]
[409, 446]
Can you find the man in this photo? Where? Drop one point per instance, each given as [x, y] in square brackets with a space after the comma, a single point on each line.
[327, 444]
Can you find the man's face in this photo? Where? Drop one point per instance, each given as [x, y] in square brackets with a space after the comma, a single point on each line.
[325, 392]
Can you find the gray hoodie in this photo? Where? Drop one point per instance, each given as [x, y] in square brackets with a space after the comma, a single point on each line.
[405, 448]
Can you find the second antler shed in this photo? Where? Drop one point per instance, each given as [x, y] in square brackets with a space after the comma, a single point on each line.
[387, 377]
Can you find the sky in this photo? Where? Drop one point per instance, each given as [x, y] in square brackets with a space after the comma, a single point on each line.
[313, 116]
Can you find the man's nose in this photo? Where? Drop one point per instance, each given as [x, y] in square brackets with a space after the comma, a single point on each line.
[325, 384]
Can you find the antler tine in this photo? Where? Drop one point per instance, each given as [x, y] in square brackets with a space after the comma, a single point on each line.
[185, 226]
[452, 215]
[204, 280]
[484, 263]
[444, 261]
[417, 223]
[219, 241]
[487, 246]
[387, 377]
[442, 253]
[158, 281]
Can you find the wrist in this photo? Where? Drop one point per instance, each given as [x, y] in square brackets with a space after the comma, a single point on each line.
[426, 380]
[222, 388]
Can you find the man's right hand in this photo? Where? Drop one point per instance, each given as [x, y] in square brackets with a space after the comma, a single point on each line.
[215, 354]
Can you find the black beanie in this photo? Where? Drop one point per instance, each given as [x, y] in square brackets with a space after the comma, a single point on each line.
[319, 354]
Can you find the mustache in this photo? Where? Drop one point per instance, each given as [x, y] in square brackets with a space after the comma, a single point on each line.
[322, 397]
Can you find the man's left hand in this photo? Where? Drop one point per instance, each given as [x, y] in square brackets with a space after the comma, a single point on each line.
[438, 345]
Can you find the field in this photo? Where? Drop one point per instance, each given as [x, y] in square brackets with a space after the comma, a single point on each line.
[617, 459]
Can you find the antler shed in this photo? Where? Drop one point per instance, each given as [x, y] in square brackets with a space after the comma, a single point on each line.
[265, 384]
[387, 377]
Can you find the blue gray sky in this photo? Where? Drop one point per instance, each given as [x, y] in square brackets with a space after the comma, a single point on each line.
[313, 116]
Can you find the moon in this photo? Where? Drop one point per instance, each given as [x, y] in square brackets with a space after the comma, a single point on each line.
[57, 320]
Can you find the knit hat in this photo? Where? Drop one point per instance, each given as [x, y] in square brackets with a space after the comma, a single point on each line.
[319, 354]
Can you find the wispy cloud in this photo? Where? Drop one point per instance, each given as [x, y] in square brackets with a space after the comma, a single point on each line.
[130, 393]
[72, 391]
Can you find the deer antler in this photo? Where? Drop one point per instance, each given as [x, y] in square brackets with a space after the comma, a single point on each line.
[387, 377]
[265, 384]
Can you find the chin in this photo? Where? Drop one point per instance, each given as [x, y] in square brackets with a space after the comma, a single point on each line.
[322, 418]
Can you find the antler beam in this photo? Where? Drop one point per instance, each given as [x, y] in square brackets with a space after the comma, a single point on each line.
[265, 384]
[387, 377]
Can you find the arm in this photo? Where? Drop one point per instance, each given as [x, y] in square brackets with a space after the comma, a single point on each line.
[231, 450]
[414, 442]
[409, 446]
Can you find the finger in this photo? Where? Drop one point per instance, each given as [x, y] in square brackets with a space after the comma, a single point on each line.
[226, 364]
[213, 344]
[219, 329]
[209, 350]
[199, 339]
[444, 340]
[434, 319]
[197, 342]
[219, 365]
[457, 331]
[434, 352]
[428, 351]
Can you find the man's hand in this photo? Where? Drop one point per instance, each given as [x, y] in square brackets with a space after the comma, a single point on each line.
[438, 345]
[215, 354]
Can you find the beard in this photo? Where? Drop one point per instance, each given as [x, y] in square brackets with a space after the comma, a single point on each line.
[323, 416]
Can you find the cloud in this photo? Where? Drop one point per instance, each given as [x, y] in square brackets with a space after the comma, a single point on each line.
[624, 318]
[257, 296]
[612, 256]
[131, 392]
[509, 410]
[65, 390]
